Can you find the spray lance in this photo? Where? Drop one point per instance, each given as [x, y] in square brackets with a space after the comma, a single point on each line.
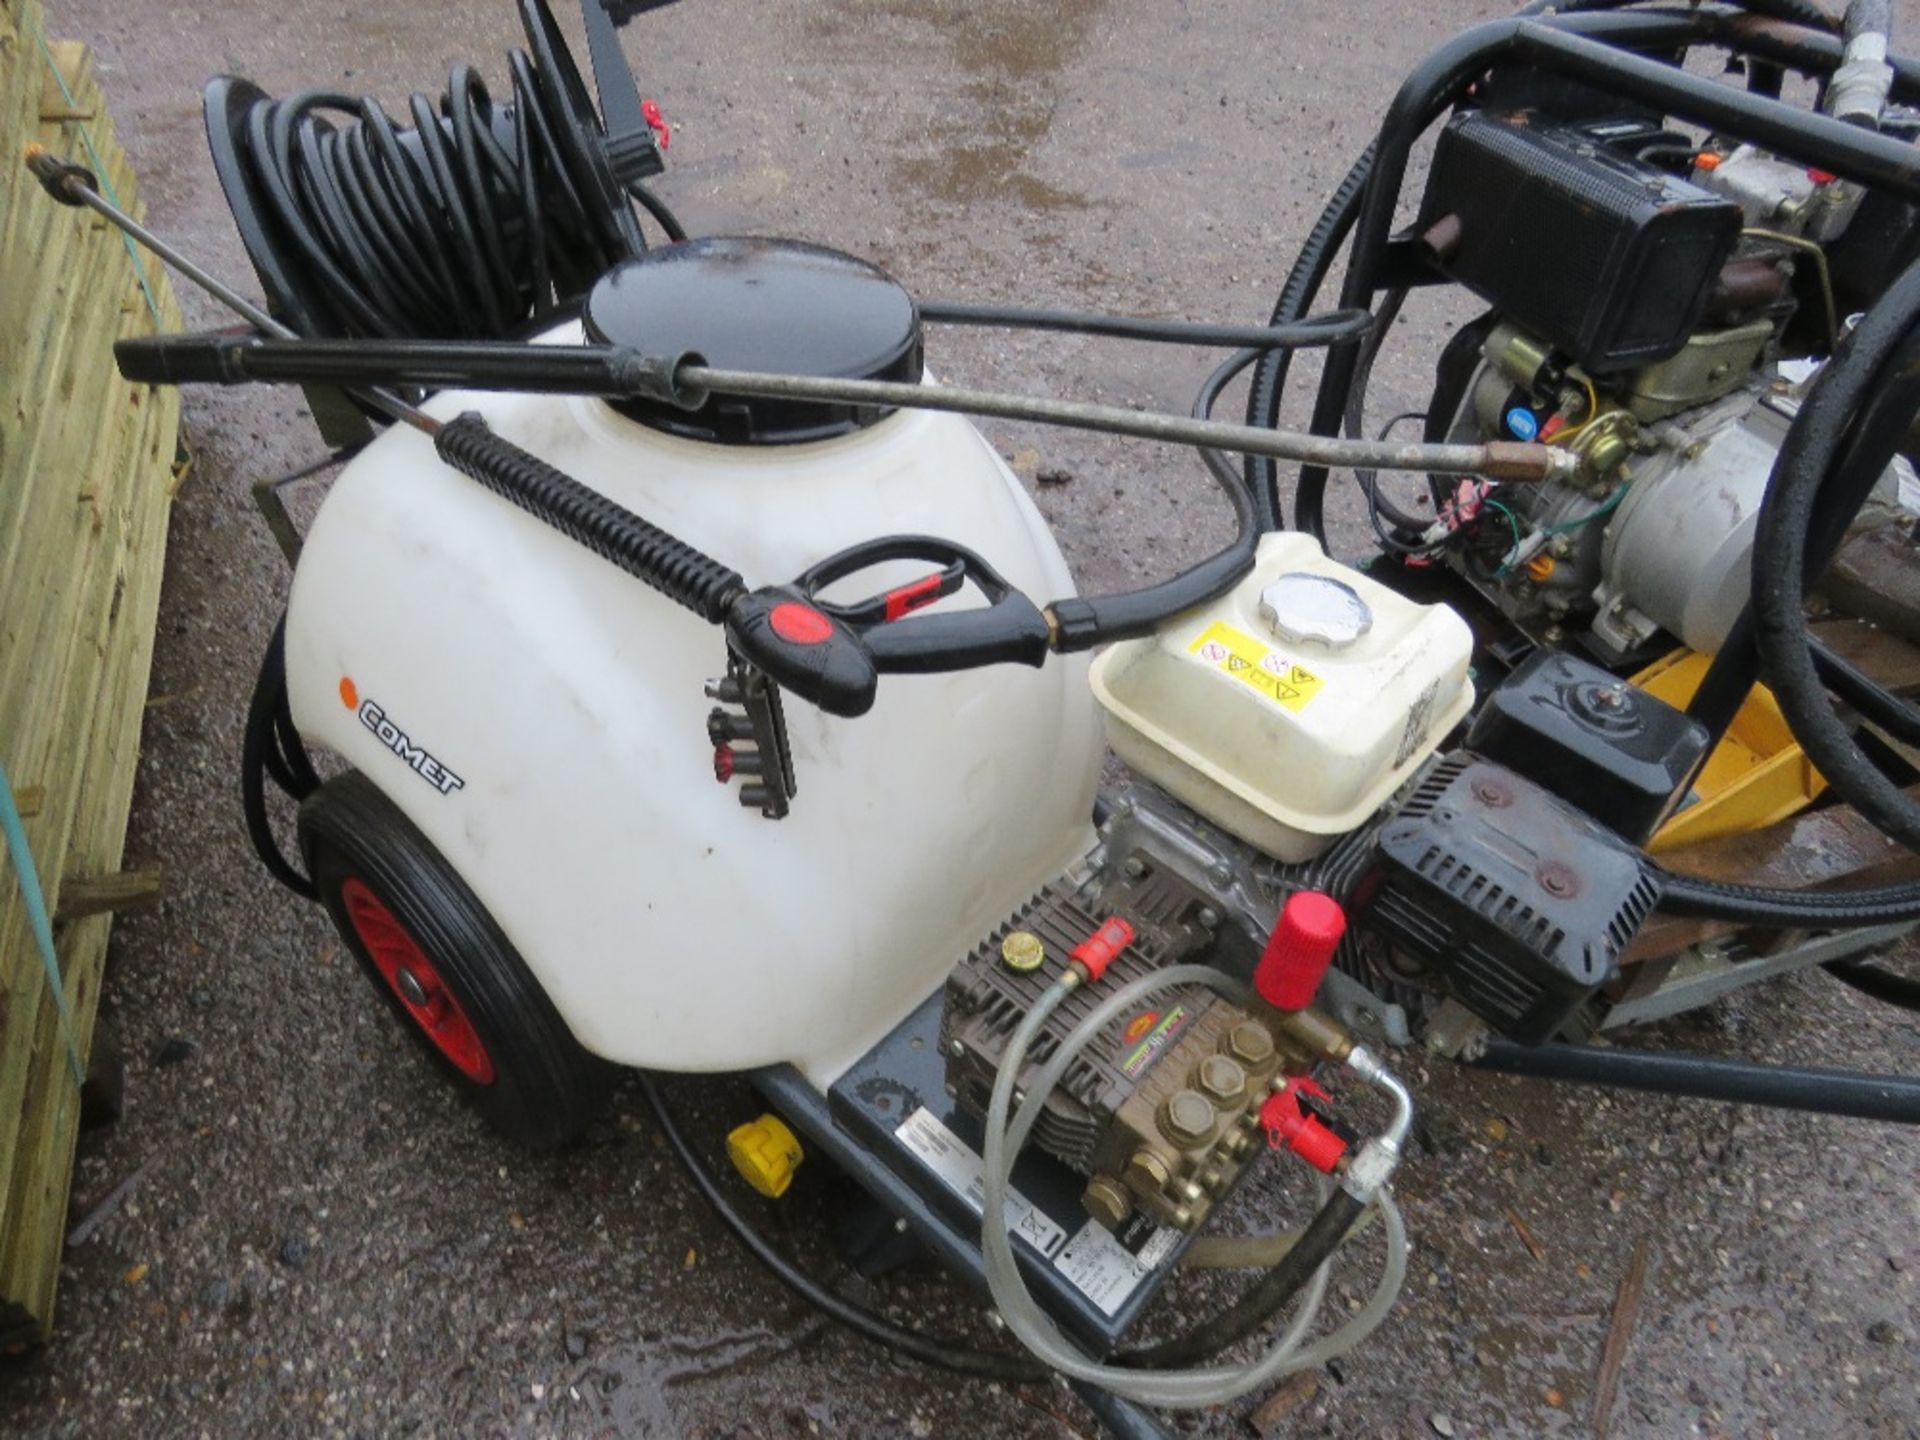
[784, 637]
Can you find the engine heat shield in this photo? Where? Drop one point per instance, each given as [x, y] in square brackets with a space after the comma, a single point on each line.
[1516, 903]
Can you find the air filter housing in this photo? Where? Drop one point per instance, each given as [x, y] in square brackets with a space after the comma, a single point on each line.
[1608, 258]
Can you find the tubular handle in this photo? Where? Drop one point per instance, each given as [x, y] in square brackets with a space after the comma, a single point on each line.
[241, 357]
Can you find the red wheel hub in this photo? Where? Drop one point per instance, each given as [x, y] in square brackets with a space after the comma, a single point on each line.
[424, 995]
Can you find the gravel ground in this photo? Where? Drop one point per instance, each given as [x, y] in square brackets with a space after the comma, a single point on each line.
[323, 1242]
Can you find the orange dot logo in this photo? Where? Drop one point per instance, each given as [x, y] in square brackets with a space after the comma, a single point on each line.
[1140, 1025]
[349, 696]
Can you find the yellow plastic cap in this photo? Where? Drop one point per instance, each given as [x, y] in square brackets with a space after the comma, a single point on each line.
[766, 1153]
[1023, 950]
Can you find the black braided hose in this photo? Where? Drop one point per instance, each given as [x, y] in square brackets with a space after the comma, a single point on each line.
[614, 533]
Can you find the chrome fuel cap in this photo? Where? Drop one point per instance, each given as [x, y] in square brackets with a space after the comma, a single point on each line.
[1305, 607]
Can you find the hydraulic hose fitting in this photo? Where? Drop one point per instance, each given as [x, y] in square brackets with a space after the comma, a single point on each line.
[1523, 461]
[1368, 1172]
[660, 377]
[1308, 1036]
[1857, 92]
[1565, 465]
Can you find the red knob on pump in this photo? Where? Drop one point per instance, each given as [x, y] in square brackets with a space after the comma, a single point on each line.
[1299, 950]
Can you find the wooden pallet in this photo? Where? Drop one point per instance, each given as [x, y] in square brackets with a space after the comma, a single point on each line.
[86, 482]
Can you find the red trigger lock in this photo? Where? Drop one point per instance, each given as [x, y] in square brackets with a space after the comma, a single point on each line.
[1290, 1126]
[912, 596]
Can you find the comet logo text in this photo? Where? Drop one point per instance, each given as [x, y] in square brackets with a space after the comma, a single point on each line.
[398, 741]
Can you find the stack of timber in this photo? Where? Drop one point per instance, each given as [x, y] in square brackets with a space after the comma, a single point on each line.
[86, 481]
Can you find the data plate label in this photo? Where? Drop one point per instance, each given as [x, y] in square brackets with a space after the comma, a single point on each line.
[960, 1167]
[1104, 1270]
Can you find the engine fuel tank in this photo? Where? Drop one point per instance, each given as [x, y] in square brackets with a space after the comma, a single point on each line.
[1289, 709]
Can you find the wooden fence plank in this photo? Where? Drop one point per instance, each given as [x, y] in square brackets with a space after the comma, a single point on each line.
[85, 486]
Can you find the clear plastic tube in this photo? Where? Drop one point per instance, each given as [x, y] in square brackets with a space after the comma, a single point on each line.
[1241, 1252]
[1171, 1389]
[1255, 1252]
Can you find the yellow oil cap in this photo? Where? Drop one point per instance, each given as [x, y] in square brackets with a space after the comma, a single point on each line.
[766, 1153]
[1023, 950]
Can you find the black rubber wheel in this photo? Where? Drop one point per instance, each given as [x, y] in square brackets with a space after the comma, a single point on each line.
[436, 955]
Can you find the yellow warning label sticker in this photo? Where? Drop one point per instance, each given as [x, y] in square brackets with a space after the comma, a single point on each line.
[1288, 685]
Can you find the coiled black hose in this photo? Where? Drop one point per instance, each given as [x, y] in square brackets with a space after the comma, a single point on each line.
[614, 533]
[1839, 445]
[1309, 273]
[1840, 442]
[471, 223]
[271, 749]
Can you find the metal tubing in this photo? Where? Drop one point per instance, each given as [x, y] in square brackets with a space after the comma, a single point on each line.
[71, 185]
[1674, 997]
[1498, 459]
[1318, 330]
[73, 191]
[1894, 1099]
[621, 371]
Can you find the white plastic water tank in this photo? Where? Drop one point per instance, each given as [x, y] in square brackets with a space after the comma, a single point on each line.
[674, 928]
